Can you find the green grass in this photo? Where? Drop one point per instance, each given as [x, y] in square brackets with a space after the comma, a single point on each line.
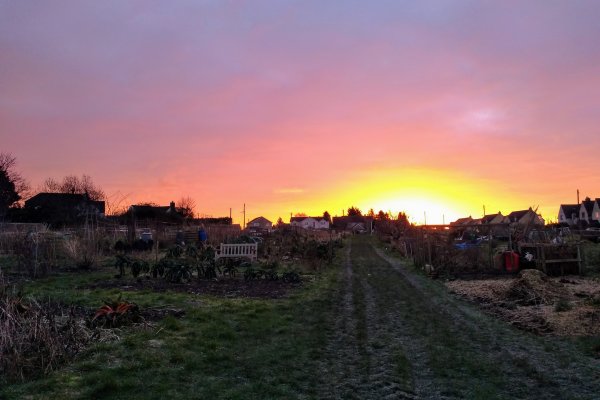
[220, 349]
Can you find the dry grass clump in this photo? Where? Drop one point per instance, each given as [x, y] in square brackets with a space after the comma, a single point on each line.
[35, 338]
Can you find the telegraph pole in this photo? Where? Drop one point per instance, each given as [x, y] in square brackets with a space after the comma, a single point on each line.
[244, 224]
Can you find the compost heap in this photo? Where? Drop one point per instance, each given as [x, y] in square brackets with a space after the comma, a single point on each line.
[533, 287]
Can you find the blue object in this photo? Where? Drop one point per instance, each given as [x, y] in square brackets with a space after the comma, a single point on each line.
[202, 236]
[468, 245]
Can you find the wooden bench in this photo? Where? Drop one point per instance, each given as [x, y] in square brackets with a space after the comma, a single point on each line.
[241, 250]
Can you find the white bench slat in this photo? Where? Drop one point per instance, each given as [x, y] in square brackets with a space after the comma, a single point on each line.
[249, 250]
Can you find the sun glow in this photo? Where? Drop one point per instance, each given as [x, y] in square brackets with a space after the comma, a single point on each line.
[432, 195]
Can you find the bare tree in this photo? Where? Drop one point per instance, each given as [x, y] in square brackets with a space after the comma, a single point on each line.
[8, 163]
[116, 204]
[186, 206]
[74, 185]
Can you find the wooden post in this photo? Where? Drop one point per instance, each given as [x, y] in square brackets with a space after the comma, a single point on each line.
[491, 254]
[578, 259]
[429, 248]
[544, 259]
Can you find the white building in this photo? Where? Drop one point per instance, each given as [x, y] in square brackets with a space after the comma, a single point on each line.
[310, 222]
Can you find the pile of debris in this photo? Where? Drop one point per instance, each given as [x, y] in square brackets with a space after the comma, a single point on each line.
[533, 287]
[537, 303]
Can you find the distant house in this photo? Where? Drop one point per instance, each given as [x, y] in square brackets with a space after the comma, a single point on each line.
[493, 219]
[497, 224]
[59, 209]
[214, 221]
[461, 222]
[569, 214]
[589, 211]
[353, 223]
[526, 217]
[146, 212]
[596, 211]
[309, 222]
[260, 225]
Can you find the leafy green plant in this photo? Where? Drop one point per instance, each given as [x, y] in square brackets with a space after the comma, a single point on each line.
[230, 268]
[136, 265]
[159, 268]
[291, 277]
[122, 261]
[175, 251]
[251, 274]
[139, 266]
[178, 273]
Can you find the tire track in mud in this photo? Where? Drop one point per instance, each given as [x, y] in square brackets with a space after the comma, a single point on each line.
[367, 337]
[339, 380]
[395, 337]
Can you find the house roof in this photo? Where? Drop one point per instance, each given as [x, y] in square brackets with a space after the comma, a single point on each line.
[588, 204]
[517, 215]
[462, 221]
[261, 220]
[300, 219]
[54, 200]
[570, 209]
[147, 208]
[489, 218]
[150, 211]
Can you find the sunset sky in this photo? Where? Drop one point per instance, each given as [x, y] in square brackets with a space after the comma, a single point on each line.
[305, 106]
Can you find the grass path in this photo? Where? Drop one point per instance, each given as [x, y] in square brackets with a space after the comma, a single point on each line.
[399, 335]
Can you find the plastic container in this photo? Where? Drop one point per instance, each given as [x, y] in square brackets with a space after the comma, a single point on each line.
[511, 261]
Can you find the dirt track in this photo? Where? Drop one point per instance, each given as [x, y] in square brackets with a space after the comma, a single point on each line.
[398, 335]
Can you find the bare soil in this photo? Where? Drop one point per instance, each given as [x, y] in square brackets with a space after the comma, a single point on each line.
[227, 287]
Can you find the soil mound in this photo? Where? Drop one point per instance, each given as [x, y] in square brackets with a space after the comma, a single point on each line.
[533, 287]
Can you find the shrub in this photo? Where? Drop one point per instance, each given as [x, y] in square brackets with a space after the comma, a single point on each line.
[83, 252]
[291, 277]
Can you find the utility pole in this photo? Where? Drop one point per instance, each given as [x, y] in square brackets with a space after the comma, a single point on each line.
[577, 196]
[244, 224]
[484, 210]
[425, 215]
[230, 213]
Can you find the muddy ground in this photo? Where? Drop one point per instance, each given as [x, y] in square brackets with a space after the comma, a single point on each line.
[226, 287]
